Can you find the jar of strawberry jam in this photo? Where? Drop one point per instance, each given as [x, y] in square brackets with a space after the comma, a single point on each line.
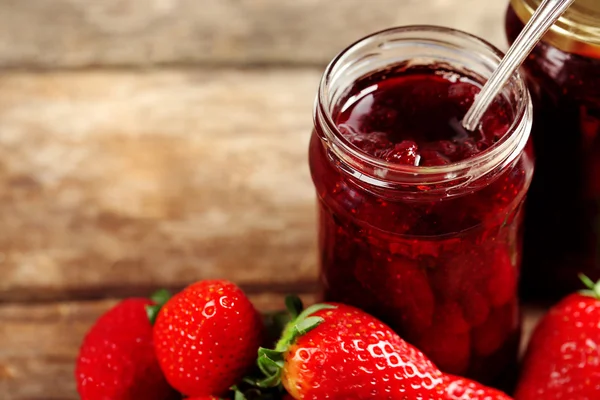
[562, 226]
[420, 220]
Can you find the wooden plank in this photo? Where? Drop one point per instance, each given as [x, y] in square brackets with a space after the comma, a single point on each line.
[113, 180]
[39, 343]
[80, 33]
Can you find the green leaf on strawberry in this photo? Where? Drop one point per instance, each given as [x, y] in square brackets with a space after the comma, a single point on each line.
[593, 289]
[338, 352]
[159, 298]
[271, 361]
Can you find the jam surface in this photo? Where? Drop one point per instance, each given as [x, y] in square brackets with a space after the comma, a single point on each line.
[415, 118]
[562, 225]
[442, 272]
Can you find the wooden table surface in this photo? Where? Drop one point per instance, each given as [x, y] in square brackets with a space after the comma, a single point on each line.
[152, 143]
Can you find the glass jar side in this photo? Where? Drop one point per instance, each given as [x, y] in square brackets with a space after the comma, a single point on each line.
[440, 268]
[562, 225]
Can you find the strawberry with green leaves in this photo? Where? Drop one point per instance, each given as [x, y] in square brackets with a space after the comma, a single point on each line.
[117, 360]
[206, 338]
[338, 352]
[563, 357]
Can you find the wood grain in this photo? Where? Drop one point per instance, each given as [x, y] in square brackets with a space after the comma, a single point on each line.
[39, 343]
[80, 33]
[115, 183]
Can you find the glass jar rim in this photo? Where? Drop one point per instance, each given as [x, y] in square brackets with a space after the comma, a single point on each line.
[380, 173]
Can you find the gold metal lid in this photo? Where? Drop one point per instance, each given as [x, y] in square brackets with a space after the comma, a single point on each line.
[577, 31]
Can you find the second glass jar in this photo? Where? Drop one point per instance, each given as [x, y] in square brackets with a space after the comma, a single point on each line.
[562, 226]
[424, 233]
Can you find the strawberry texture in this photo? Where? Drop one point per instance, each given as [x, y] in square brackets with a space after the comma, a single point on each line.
[458, 388]
[117, 360]
[350, 354]
[562, 361]
[206, 338]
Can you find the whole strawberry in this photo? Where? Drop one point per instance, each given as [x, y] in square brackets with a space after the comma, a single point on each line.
[206, 338]
[458, 388]
[563, 357]
[338, 352]
[117, 360]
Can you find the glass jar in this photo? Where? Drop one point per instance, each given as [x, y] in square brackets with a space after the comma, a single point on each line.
[434, 251]
[562, 224]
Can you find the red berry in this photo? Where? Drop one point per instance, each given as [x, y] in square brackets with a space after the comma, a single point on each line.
[458, 388]
[475, 307]
[432, 158]
[404, 153]
[117, 360]
[402, 289]
[448, 279]
[206, 338]
[445, 147]
[450, 318]
[563, 357]
[343, 353]
[463, 92]
[491, 335]
[502, 284]
[449, 351]
[370, 143]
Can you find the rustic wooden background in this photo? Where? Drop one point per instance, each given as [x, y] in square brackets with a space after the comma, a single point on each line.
[151, 143]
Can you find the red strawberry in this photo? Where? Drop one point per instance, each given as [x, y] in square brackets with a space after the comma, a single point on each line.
[475, 307]
[449, 316]
[458, 388]
[491, 335]
[206, 338]
[502, 284]
[450, 351]
[338, 352]
[402, 288]
[563, 357]
[117, 360]
[404, 153]
[447, 341]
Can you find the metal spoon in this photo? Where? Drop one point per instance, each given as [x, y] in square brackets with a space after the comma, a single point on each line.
[545, 16]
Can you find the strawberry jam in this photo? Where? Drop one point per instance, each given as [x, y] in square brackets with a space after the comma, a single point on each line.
[419, 219]
[415, 118]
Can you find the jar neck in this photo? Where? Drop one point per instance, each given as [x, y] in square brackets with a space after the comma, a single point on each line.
[419, 46]
[577, 31]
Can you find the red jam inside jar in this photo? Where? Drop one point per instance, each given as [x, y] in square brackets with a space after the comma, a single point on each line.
[562, 224]
[414, 117]
[419, 219]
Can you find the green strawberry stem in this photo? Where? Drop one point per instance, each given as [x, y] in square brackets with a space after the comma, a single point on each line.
[271, 361]
[593, 289]
[160, 297]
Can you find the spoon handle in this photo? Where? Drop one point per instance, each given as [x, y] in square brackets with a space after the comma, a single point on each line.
[547, 14]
